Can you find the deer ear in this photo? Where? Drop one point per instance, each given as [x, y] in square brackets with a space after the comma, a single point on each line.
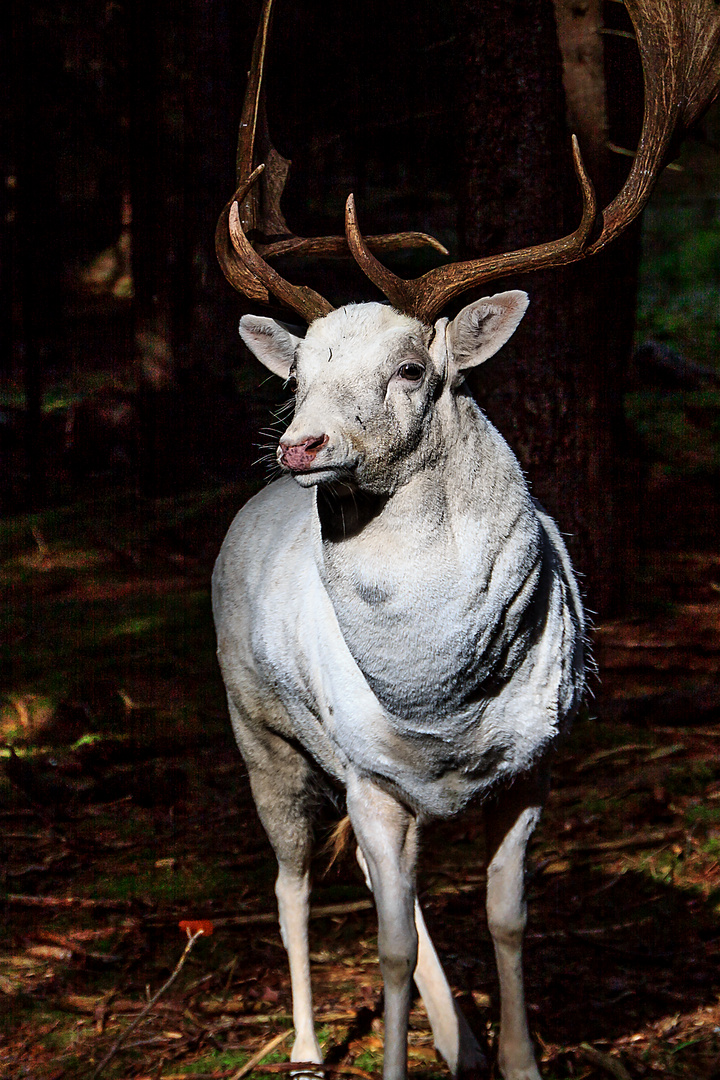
[269, 341]
[483, 327]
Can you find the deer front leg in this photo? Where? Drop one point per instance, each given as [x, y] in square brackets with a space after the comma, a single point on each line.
[293, 895]
[453, 1038]
[510, 821]
[281, 782]
[451, 1031]
[387, 834]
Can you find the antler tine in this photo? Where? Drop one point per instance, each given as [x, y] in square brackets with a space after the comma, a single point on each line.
[259, 212]
[258, 208]
[424, 297]
[234, 269]
[396, 289]
[243, 267]
[305, 301]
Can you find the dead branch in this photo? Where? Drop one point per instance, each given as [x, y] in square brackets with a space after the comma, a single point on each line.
[88, 1004]
[320, 912]
[20, 900]
[645, 839]
[262, 1052]
[609, 1064]
[192, 938]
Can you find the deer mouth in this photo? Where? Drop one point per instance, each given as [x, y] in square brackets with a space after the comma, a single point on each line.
[313, 474]
[327, 473]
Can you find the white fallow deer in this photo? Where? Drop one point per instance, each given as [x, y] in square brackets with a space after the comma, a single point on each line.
[396, 612]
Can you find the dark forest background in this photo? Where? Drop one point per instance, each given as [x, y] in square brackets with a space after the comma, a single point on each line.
[131, 421]
[118, 343]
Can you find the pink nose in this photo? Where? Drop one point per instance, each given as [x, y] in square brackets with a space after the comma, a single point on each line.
[301, 456]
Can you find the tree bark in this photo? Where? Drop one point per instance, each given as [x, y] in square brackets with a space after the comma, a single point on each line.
[556, 391]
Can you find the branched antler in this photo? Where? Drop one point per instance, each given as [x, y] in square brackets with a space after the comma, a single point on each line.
[679, 43]
[300, 298]
[426, 296]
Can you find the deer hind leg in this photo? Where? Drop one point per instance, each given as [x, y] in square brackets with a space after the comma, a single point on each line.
[510, 821]
[453, 1038]
[280, 779]
[387, 834]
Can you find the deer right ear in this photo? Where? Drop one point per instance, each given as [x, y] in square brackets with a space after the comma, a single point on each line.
[483, 327]
[271, 343]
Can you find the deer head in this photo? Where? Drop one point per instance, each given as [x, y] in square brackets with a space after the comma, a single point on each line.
[374, 387]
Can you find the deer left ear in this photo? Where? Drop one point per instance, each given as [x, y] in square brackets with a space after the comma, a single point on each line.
[483, 327]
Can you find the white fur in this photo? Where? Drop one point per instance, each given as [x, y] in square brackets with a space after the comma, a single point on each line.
[406, 614]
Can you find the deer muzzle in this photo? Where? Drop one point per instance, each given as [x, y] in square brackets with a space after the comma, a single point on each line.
[300, 456]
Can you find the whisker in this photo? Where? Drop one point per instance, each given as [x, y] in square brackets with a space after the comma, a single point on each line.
[283, 410]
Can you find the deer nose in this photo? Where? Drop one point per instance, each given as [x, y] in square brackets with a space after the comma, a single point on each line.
[300, 456]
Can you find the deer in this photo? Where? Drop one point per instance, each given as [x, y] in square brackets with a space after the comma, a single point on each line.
[395, 613]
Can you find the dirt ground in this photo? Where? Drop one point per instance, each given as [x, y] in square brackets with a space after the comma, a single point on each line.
[126, 812]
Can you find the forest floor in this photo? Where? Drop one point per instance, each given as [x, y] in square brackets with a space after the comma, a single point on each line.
[126, 812]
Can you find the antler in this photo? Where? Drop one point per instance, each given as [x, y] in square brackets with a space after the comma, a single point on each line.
[255, 207]
[679, 42]
[424, 297]
[300, 298]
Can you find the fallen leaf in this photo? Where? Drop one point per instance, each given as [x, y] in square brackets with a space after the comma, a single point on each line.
[49, 952]
[197, 926]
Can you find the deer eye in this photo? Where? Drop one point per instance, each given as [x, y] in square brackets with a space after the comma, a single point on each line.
[410, 372]
[291, 384]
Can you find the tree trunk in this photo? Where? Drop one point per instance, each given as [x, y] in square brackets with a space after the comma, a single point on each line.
[556, 391]
[33, 243]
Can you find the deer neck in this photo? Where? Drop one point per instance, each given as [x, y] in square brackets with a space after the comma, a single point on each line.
[420, 579]
[463, 475]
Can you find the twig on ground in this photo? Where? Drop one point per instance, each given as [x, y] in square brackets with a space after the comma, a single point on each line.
[192, 938]
[262, 1052]
[601, 756]
[605, 886]
[18, 900]
[88, 1004]
[589, 931]
[609, 1064]
[193, 987]
[228, 983]
[646, 839]
[254, 1019]
[319, 912]
[160, 1067]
